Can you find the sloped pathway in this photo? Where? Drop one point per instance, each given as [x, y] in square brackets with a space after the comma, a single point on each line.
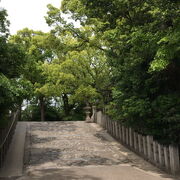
[77, 150]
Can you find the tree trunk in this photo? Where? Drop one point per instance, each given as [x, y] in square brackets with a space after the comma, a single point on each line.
[66, 104]
[42, 108]
[20, 110]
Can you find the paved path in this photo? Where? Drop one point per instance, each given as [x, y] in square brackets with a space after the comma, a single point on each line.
[77, 150]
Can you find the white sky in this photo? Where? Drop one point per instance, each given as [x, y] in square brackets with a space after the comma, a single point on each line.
[28, 13]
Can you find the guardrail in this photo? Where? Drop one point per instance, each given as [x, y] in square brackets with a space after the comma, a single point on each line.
[164, 157]
[6, 135]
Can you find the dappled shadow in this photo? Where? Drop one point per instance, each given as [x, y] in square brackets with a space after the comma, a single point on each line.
[54, 126]
[139, 162]
[100, 135]
[77, 145]
[95, 160]
[43, 155]
[39, 155]
[60, 174]
[37, 140]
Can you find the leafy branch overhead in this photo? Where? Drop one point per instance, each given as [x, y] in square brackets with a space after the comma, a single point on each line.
[121, 55]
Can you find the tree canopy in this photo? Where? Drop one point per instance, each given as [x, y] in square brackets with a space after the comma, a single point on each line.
[124, 57]
[141, 42]
[12, 59]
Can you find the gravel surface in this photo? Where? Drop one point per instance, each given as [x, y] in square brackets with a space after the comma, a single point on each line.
[76, 150]
[74, 143]
[70, 144]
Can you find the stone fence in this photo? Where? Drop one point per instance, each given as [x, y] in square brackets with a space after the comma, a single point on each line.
[6, 135]
[164, 157]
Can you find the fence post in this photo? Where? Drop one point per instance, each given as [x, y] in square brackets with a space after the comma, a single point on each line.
[144, 146]
[112, 127]
[103, 117]
[123, 134]
[120, 131]
[161, 155]
[117, 131]
[127, 135]
[140, 143]
[155, 152]
[113, 132]
[106, 122]
[149, 147]
[107, 126]
[135, 141]
[131, 137]
[166, 158]
[174, 159]
[110, 122]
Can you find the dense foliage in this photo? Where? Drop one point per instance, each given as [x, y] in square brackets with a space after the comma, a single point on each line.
[142, 43]
[11, 63]
[124, 57]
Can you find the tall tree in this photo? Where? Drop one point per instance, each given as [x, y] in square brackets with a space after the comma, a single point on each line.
[81, 76]
[141, 42]
[33, 43]
[12, 61]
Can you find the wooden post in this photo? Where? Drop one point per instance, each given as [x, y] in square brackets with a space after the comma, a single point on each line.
[149, 147]
[135, 141]
[117, 131]
[123, 134]
[113, 128]
[127, 135]
[140, 143]
[166, 158]
[106, 122]
[144, 146]
[109, 125]
[174, 159]
[102, 120]
[161, 155]
[120, 131]
[110, 129]
[155, 152]
[131, 138]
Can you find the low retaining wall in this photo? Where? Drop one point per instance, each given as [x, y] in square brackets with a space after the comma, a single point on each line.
[6, 135]
[164, 157]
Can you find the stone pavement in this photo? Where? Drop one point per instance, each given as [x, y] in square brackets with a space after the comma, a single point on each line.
[76, 150]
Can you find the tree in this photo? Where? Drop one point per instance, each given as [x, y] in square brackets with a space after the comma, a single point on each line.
[12, 60]
[33, 43]
[141, 42]
[82, 77]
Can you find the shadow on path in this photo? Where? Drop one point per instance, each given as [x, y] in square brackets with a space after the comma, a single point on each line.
[131, 157]
[60, 174]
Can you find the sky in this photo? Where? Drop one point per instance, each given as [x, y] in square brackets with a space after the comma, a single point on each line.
[28, 13]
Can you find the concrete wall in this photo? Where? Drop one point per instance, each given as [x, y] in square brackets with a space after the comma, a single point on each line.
[6, 135]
